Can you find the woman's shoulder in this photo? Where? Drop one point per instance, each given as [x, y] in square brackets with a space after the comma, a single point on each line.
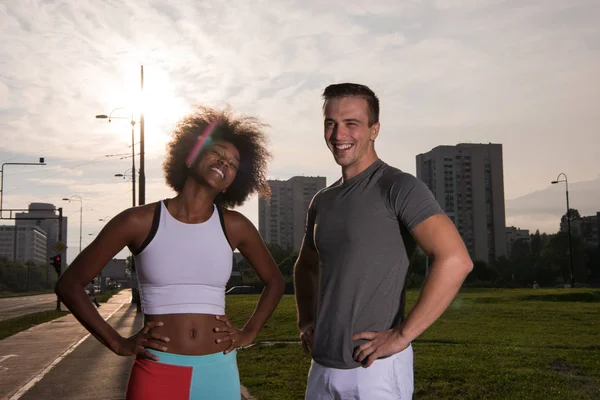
[134, 218]
[238, 227]
[235, 219]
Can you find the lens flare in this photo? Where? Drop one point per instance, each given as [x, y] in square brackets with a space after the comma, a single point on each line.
[203, 140]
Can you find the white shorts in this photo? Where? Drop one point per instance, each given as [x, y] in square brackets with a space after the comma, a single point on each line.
[389, 378]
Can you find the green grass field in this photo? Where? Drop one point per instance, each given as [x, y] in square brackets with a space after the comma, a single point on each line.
[490, 344]
[15, 325]
[4, 295]
[9, 327]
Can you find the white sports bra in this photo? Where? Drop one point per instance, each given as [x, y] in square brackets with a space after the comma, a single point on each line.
[183, 268]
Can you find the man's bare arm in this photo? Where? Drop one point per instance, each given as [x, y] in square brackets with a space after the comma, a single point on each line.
[439, 239]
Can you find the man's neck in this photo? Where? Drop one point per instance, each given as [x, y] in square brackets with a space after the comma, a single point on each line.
[351, 171]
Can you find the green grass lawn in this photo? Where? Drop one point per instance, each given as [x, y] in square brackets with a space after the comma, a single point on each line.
[4, 295]
[11, 326]
[105, 296]
[490, 344]
[15, 325]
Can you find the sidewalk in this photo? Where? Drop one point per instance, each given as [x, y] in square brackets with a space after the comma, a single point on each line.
[25, 358]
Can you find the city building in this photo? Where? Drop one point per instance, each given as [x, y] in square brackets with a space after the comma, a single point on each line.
[45, 217]
[586, 227]
[30, 244]
[512, 235]
[113, 273]
[282, 219]
[468, 182]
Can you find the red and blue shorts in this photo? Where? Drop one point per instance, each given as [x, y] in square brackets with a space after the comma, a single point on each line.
[179, 377]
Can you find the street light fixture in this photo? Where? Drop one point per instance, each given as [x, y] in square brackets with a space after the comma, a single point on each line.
[132, 122]
[129, 174]
[142, 175]
[80, 200]
[40, 162]
[568, 216]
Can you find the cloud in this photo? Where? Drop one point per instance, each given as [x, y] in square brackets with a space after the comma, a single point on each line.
[521, 73]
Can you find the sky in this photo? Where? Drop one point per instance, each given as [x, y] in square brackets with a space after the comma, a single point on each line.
[522, 73]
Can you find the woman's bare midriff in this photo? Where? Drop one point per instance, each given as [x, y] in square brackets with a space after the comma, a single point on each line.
[190, 334]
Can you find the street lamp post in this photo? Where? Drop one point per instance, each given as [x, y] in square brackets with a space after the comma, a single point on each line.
[142, 151]
[142, 173]
[41, 162]
[132, 122]
[80, 200]
[142, 176]
[568, 216]
[125, 175]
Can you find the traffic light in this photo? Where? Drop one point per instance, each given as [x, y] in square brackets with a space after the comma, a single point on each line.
[56, 263]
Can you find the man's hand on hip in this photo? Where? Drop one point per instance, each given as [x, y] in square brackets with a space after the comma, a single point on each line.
[380, 344]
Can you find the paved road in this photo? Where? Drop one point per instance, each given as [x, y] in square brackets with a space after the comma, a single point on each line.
[11, 307]
[91, 371]
[27, 355]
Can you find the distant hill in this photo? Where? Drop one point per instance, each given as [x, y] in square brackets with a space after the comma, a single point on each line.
[542, 209]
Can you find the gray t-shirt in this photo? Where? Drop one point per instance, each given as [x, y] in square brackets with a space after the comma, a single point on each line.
[360, 230]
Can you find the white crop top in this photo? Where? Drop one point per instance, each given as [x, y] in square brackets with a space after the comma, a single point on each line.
[183, 268]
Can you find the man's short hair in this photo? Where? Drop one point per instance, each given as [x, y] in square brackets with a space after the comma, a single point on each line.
[354, 90]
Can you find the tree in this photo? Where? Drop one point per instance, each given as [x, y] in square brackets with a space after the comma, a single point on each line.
[482, 272]
[129, 266]
[536, 243]
[417, 269]
[592, 265]
[520, 250]
[279, 253]
[573, 214]
[555, 256]
[287, 266]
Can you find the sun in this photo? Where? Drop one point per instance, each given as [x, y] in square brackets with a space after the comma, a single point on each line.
[161, 106]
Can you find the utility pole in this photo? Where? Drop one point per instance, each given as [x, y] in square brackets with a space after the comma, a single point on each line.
[142, 183]
[142, 186]
[60, 231]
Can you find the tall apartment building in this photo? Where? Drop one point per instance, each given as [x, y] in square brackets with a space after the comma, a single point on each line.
[43, 216]
[468, 182]
[28, 243]
[282, 219]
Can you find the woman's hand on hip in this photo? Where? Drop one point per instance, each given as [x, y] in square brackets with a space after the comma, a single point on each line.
[237, 337]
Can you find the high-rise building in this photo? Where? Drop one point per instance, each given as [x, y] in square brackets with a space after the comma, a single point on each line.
[28, 243]
[468, 182]
[44, 216]
[282, 219]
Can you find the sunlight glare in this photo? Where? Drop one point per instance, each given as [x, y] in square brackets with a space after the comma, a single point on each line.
[159, 102]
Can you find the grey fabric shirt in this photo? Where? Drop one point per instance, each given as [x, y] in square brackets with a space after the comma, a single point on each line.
[360, 230]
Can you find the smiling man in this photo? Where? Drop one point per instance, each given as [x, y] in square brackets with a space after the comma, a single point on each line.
[351, 272]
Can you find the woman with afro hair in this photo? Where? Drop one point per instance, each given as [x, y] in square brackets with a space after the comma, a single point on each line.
[183, 249]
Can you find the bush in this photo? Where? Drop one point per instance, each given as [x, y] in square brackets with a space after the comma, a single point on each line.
[19, 277]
